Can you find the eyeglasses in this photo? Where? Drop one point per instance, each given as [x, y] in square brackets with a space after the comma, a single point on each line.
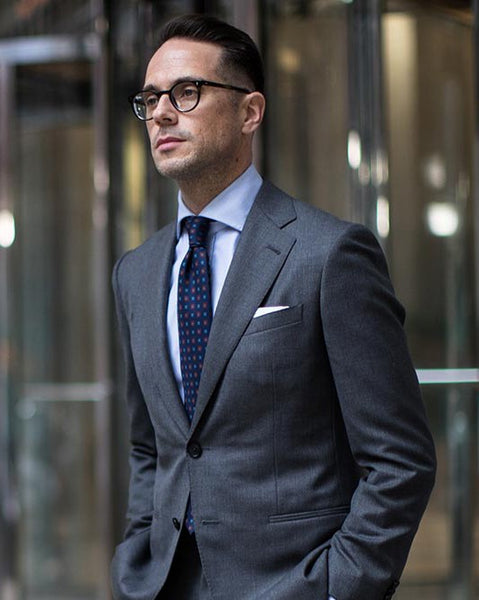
[184, 95]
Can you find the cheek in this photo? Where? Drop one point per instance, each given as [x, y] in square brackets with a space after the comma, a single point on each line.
[214, 129]
[209, 135]
[150, 130]
[223, 132]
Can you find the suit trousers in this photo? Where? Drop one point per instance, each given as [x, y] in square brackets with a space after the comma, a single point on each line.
[185, 580]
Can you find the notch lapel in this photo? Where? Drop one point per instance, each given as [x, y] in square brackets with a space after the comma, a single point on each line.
[260, 255]
[156, 305]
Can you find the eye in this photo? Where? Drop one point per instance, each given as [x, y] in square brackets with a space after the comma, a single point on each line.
[150, 100]
[189, 91]
[186, 91]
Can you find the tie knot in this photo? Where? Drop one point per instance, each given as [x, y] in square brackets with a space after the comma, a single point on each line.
[197, 228]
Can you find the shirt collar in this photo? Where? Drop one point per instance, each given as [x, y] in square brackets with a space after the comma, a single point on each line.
[232, 205]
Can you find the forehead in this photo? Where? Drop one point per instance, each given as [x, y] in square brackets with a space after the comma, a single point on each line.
[178, 58]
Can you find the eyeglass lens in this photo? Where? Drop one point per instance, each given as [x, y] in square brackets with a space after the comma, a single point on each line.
[184, 96]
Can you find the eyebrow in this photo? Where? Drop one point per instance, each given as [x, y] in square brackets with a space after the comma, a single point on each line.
[151, 88]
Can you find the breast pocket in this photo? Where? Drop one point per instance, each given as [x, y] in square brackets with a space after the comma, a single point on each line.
[273, 320]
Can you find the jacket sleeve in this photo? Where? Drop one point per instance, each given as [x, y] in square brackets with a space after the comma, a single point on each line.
[143, 452]
[385, 421]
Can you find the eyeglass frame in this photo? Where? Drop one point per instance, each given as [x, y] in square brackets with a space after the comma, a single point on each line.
[199, 83]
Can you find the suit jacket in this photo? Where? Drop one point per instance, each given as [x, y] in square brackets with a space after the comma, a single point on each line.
[309, 460]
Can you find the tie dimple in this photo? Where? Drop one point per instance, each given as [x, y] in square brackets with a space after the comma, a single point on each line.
[197, 228]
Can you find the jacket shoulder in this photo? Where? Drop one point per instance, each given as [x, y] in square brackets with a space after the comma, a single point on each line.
[314, 226]
[135, 263]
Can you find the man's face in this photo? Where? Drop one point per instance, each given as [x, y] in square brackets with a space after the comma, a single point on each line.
[207, 141]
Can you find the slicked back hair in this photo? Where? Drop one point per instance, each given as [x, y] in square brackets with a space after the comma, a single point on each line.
[240, 54]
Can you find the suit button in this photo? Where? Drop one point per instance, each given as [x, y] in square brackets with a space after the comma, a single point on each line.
[194, 450]
[176, 523]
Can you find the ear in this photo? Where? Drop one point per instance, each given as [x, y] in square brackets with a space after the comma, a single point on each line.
[254, 106]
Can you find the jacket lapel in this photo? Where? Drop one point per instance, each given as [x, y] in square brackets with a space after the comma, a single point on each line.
[260, 255]
[157, 305]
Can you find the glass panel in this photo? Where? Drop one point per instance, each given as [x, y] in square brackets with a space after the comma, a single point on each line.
[55, 195]
[430, 97]
[443, 560]
[429, 100]
[306, 130]
[58, 551]
[55, 416]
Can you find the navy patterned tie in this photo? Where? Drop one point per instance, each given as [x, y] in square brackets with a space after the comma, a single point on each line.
[194, 316]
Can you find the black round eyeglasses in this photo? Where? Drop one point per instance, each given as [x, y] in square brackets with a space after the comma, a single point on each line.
[184, 96]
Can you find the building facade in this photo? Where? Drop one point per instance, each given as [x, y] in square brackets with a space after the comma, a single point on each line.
[371, 115]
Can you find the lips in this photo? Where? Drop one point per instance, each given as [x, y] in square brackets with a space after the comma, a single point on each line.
[168, 143]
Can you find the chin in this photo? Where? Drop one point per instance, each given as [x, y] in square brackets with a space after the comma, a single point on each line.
[178, 169]
[170, 167]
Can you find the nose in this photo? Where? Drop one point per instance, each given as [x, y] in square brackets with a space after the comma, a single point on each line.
[165, 111]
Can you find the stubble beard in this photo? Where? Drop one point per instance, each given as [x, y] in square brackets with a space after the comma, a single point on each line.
[179, 169]
[206, 169]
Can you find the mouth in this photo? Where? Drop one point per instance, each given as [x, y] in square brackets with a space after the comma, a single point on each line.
[168, 143]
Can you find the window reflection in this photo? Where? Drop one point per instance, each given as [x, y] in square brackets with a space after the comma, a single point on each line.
[428, 65]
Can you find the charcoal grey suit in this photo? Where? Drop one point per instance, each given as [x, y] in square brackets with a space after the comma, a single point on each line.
[309, 461]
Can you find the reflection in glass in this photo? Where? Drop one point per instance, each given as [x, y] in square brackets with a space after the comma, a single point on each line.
[428, 74]
[7, 228]
[59, 552]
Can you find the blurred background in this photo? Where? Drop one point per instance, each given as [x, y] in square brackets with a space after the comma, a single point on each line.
[372, 115]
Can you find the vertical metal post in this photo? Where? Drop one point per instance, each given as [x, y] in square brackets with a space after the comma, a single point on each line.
[475, 429]
[101, 287]
[460, 408]
[7, 496]
[369, 176]
[461, 493]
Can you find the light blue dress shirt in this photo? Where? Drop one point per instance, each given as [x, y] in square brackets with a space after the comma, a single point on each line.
[229, 211]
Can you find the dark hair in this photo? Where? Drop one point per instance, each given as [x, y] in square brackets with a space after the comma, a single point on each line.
[239, 50]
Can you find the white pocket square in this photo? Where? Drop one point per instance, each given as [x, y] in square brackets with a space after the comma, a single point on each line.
[264, 310]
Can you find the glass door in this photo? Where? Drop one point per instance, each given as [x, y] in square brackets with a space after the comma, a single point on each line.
[428, 67]
[55, 392]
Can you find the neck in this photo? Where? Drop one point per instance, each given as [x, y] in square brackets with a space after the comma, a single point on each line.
[197, 193]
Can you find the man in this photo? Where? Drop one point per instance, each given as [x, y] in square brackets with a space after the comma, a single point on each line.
[279, 447]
